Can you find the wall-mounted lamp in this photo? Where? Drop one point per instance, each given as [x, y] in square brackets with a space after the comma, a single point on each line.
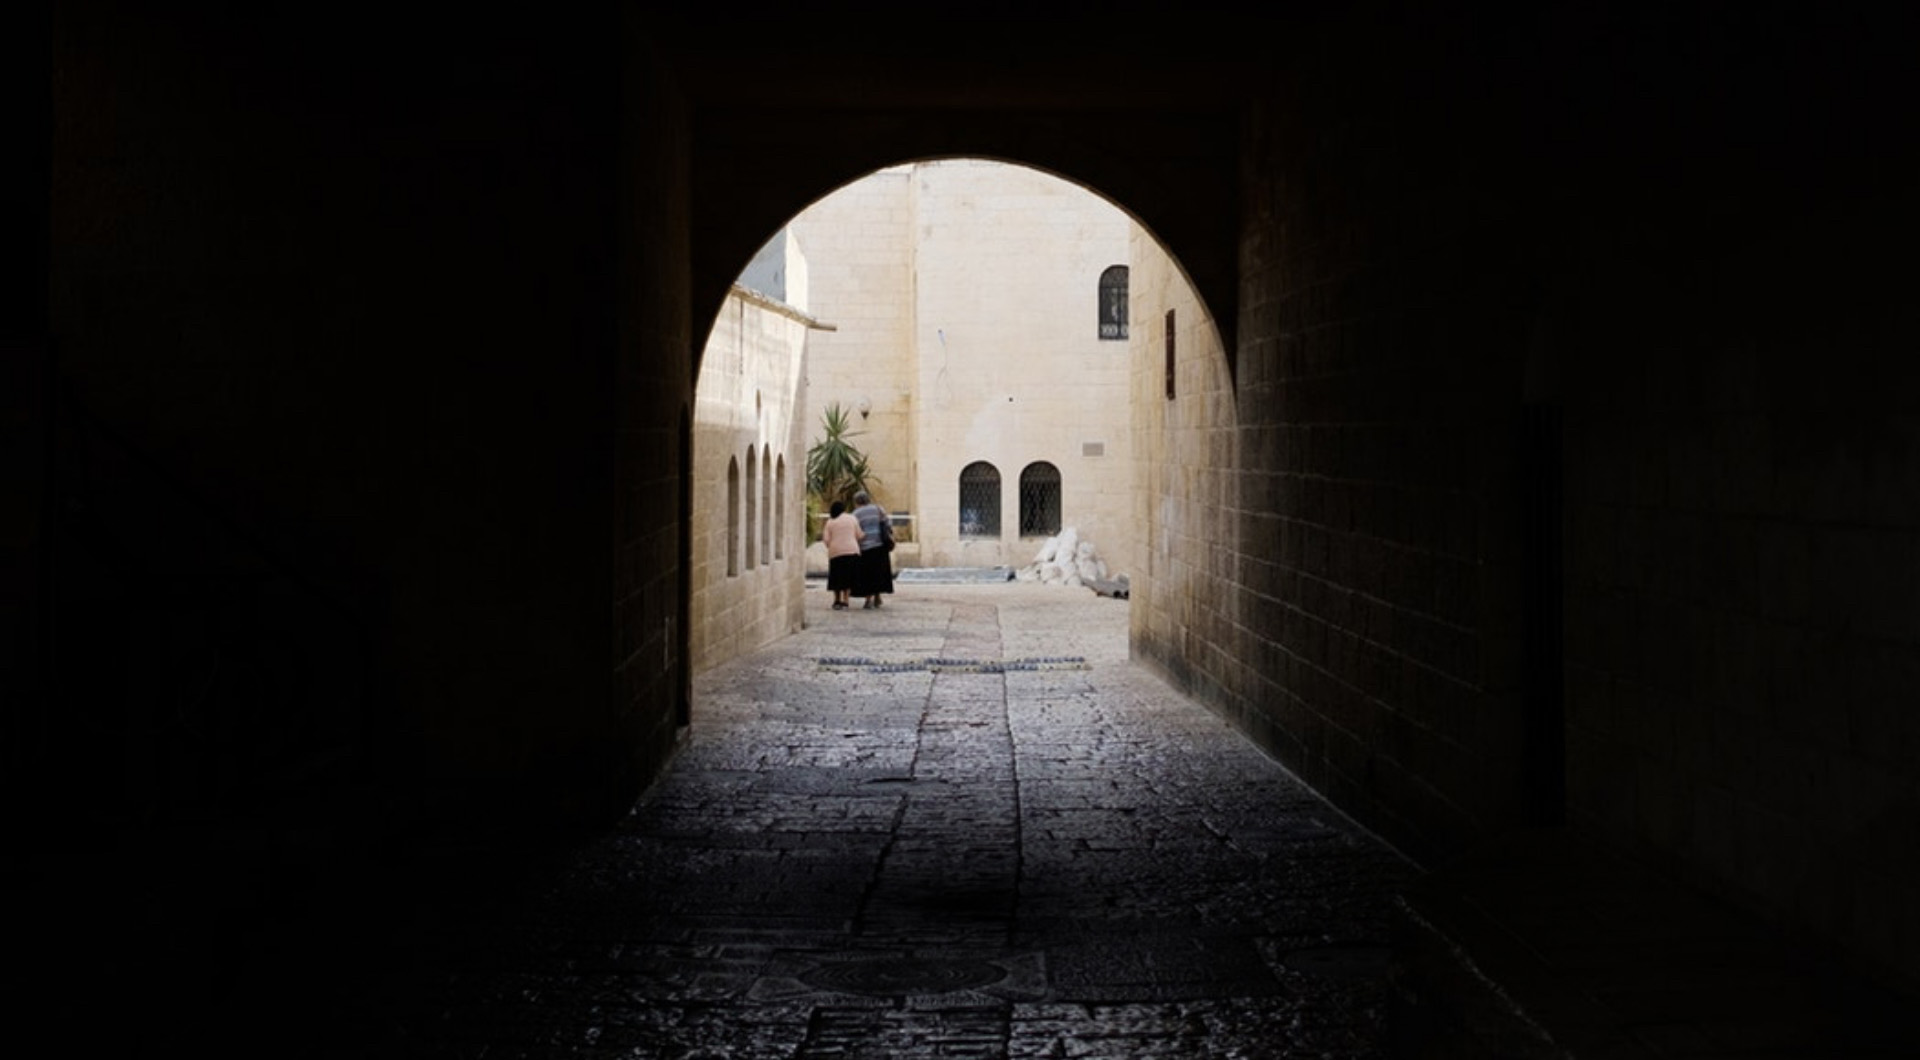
[864, 406]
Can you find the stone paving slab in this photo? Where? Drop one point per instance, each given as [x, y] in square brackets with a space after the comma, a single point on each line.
[1058, 861]
[914, 860]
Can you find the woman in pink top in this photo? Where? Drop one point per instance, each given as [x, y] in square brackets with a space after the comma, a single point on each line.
[842, 536]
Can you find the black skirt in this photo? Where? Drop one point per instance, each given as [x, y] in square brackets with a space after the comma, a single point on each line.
[843, 572]
[876, 573]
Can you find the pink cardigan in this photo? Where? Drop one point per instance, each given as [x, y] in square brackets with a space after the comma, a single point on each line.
[842, 535]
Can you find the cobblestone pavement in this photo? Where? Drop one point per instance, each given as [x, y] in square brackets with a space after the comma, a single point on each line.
[963, 825]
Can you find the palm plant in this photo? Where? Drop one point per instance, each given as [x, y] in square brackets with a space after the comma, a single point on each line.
[836, 469]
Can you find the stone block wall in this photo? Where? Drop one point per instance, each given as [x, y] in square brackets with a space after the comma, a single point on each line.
[655, 367]
[1186, 613]
[858, 243]
[1569, 482]
[1349, 588]
[1743, 549]
[281, 307]
[748, 522]
[355, 366]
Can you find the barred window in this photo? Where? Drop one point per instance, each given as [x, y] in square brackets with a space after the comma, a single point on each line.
[980, 500]
[1039, 500]
[1113, 302]
[766, 505]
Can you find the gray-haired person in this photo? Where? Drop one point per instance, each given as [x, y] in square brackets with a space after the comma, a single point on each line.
[876, 551]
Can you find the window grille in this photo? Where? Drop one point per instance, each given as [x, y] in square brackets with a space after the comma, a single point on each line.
[1039, 500]
[980, 500]
[1113, 302]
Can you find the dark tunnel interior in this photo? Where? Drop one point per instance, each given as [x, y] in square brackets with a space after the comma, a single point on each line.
[1572, 486]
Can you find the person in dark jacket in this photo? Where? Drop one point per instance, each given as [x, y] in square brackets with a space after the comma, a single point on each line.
[876, 551]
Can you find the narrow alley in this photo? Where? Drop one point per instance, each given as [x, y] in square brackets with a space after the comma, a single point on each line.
[963, 825]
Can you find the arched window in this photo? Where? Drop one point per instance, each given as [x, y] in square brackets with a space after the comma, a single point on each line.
[753, 498]
[980, 500]
[766, 505]
[1113, 302]
[1039, 500]
[780, 508]
[733, 516]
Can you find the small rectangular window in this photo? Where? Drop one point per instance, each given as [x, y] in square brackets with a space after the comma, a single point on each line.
[1170, 333]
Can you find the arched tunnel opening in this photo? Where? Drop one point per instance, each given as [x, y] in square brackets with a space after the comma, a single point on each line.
[957, 332]
[1568, 526]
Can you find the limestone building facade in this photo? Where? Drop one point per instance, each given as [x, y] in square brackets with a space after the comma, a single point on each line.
[749, 460]
[1184, 499]
[981, 339]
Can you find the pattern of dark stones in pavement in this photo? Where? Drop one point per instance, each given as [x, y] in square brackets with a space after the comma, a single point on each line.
[922, 863]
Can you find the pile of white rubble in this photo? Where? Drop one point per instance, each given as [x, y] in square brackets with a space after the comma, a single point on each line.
[1065, 560]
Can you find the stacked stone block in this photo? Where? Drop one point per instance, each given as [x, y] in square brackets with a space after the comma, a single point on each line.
[749, 455]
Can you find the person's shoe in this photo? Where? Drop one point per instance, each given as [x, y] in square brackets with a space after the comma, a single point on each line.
[868, 606]
[838, 606]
